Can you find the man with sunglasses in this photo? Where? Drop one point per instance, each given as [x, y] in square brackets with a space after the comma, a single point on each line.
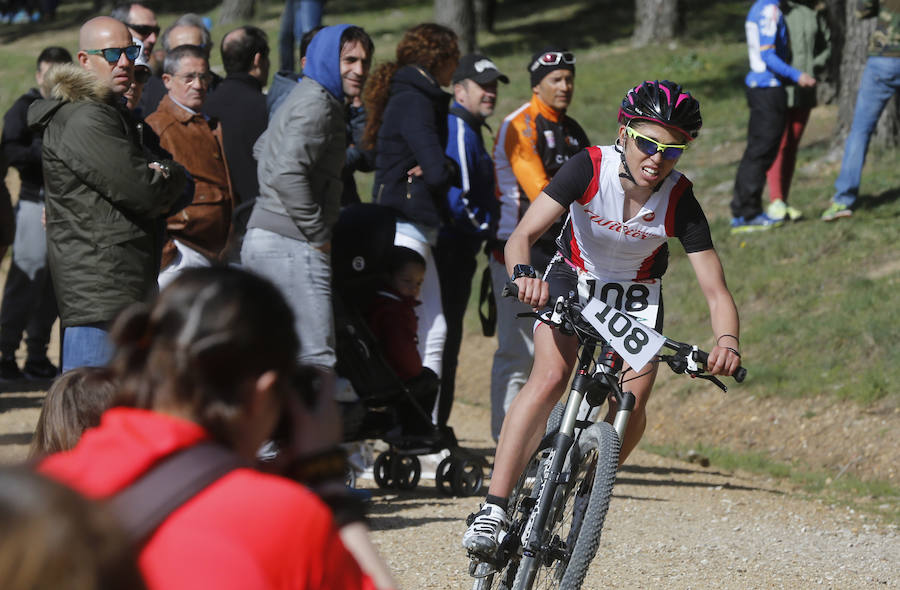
[141, 23]
[199, 233]
[29, 304]
[103, 195]
[532, 144]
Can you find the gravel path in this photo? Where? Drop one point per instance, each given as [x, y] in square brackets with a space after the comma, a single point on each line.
[672, 525]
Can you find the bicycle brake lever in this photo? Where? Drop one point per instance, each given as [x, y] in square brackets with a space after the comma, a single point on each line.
[713, 379]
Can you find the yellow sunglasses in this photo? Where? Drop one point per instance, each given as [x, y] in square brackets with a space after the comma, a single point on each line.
[651, 146]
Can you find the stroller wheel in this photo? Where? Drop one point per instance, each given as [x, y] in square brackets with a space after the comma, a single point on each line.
[383, 469]
[468, 478]
[408, 470]
[443, 475]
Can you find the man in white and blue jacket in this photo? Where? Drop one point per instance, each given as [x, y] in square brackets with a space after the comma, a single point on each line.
[474, 207]
[768, 47]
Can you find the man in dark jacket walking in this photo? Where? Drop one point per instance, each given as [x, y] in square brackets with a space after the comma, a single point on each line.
[29, 305]
[103, 197]
[300, 157]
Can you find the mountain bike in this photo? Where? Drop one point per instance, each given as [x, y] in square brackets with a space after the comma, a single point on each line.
[559, 504]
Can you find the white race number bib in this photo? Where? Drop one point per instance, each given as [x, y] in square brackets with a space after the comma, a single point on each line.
[631, 334]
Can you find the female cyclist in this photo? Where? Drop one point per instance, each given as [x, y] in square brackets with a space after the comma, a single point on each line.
[623, 201]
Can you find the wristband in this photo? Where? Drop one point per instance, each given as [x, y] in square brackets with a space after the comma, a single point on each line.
[738, 340]
[732, 350]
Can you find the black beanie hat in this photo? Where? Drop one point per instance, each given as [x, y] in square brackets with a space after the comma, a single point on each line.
[538, 70]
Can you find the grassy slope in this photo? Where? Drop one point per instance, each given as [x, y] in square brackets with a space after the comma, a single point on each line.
[815, 299]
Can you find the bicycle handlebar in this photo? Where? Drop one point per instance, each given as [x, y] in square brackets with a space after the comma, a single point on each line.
[677, 363]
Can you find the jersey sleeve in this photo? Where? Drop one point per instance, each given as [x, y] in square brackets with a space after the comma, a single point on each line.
[769, 21]
[691, 226]
[573, 179]
[525, 161]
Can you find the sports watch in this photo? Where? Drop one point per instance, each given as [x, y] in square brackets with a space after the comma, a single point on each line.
[523, 270]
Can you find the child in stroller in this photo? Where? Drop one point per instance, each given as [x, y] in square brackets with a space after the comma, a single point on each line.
[392, 319]
[394, 397]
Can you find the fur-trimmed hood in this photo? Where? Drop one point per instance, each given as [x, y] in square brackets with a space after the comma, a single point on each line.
[65, 83]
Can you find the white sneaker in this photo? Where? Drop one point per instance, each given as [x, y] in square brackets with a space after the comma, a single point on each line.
[482, 536]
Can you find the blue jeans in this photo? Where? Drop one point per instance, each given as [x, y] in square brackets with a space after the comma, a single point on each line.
[85, 346]
[880, 81]
[303, 274]
[299, 17]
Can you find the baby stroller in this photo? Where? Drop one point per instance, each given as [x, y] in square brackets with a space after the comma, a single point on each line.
[380, 405]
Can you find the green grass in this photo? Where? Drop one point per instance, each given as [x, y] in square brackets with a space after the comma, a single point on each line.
[873, 496]
[816, 300]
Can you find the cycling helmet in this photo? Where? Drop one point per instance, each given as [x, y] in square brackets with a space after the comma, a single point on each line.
[663, 102]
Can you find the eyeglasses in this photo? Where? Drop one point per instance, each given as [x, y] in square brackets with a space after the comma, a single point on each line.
[552, 58]
[205, 78]
[144, 30]
[651, 146]
[112, 54]
[142, 74]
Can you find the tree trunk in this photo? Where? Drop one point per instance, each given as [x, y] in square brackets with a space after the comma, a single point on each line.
[654, 20]
[234, 11]
[485, 11]
[459, 15]
[850, 50]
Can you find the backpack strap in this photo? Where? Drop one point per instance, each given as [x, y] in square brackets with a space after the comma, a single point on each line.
[145, 504]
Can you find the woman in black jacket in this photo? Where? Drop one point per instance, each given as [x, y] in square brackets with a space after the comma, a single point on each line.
[408, 126]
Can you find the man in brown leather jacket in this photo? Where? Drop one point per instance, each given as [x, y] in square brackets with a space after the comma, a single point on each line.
[198, 234]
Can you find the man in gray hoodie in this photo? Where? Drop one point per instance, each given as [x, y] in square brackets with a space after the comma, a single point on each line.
[300, 160]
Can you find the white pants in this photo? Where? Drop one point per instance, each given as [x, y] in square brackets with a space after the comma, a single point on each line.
[515, 349]
[432, 326]
[185, 258]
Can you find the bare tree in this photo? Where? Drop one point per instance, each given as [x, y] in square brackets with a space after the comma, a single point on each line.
[234, 11]
[459, 15]
[654, 20]
[850, 50]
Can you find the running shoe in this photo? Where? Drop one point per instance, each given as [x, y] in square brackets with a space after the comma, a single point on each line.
[794, 214]
[759, 223]
[777, 209]
[482, 536]
[836, 211]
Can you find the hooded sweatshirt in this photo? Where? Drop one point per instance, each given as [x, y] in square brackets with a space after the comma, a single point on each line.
[245, 530]
[302, 152]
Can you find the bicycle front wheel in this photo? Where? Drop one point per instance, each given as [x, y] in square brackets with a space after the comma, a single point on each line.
[579, 511]
[599, 446]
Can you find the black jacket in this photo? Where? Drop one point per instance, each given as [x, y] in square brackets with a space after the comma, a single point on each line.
[414, 131]
[22, 147]
[240, 105]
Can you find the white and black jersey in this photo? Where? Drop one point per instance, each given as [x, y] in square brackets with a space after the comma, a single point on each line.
[597, 240]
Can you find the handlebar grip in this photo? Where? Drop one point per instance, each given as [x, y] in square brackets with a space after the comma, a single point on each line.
[510, 290]
[739, 375]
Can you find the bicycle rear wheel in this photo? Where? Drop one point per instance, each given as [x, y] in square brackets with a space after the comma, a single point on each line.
[579, 510]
